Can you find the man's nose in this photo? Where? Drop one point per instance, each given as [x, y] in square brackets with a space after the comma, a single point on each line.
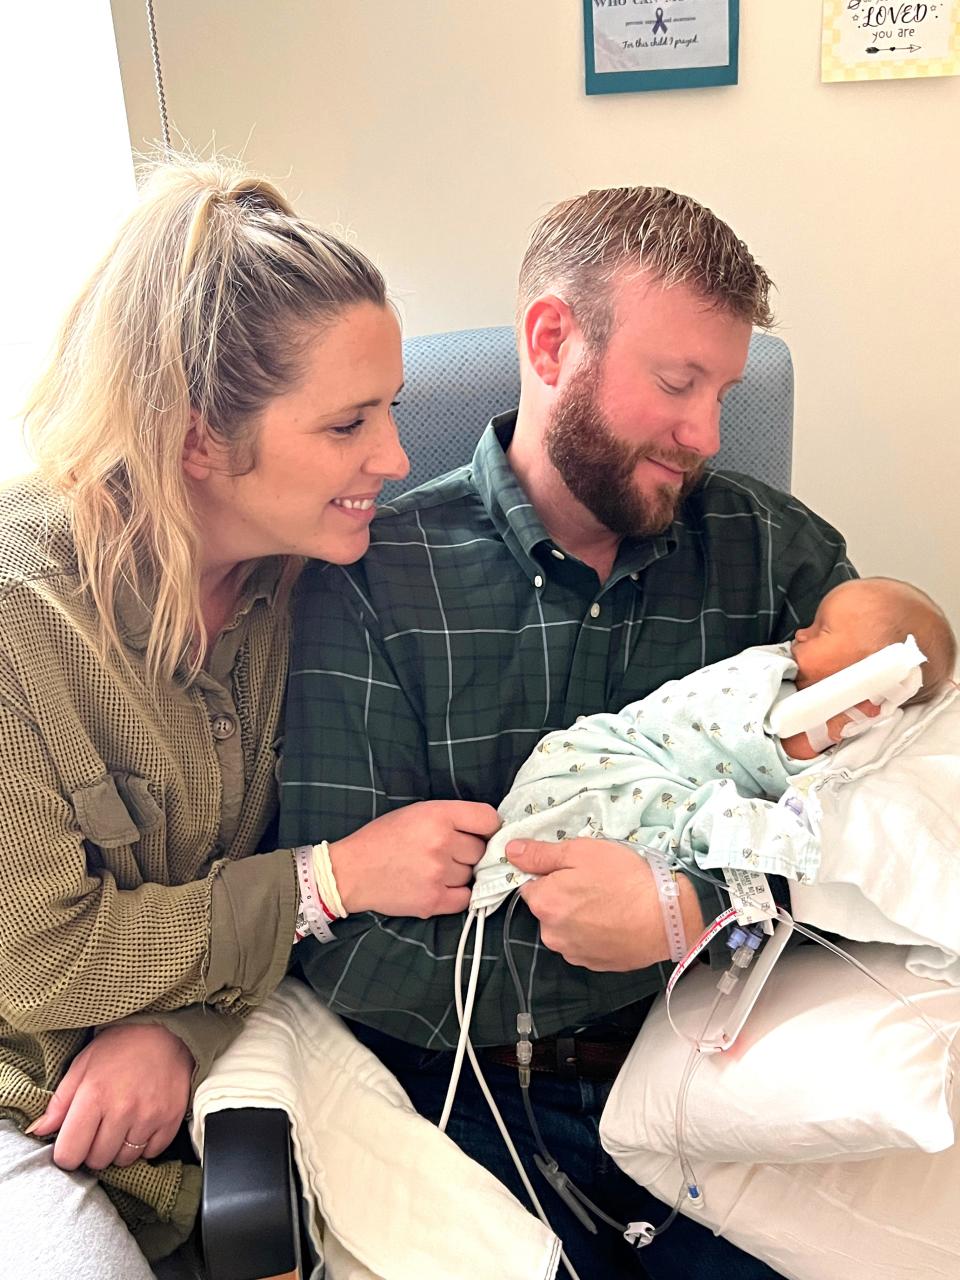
[700, 428]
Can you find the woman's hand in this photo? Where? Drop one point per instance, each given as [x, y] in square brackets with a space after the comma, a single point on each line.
[597, 903]
[123, 1097]
[415, 861]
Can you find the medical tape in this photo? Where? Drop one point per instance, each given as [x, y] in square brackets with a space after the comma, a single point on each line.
[857, 715]
[818, 736]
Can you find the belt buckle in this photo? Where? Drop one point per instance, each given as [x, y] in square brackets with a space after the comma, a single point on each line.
[566, 1051]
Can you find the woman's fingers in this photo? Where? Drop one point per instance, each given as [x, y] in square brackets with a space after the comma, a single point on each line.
[77, 1134]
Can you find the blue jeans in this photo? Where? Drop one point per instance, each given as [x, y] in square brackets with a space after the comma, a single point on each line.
[568, 1113]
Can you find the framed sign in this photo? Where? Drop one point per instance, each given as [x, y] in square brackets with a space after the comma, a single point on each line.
[863, 40]
[632, 45]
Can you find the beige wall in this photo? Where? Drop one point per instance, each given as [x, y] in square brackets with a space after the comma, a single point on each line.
[439, 130]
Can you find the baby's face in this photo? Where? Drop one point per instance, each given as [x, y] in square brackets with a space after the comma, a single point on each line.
[836, 638]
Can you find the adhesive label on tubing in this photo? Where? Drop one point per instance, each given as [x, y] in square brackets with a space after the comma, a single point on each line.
[750, 894]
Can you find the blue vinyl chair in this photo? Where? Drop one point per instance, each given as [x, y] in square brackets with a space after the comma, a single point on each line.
[455, 382]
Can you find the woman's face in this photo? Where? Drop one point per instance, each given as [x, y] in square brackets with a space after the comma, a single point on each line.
[322, 450]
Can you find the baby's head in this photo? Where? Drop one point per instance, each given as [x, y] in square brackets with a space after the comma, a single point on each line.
[866, 614]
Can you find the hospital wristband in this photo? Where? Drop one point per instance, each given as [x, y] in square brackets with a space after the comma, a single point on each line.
[668, 892]
[312, 916]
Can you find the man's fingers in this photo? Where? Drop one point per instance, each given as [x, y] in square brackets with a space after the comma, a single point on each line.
[452, 902]
[539, 857]
[458, 874]
[465, 849]
[472, 817]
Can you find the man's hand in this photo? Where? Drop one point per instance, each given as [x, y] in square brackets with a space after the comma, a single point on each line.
[597, 903]
[123, 1097]
[415, 861]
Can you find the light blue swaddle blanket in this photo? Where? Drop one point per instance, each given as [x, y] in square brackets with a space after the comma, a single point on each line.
[689, 770]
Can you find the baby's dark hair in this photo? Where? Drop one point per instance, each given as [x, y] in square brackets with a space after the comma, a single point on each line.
[902, 609]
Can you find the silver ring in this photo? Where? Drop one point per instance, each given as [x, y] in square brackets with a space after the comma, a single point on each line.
[137, 1146]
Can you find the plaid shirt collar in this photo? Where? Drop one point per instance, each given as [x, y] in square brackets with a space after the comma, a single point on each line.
[517, 522]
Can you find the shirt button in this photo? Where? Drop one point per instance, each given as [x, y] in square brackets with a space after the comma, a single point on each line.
[634, 577]
[538, 580]
[223, 727]
[594, 610]
[558, 554]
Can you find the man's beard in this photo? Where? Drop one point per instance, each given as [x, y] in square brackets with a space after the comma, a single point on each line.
[598, 469]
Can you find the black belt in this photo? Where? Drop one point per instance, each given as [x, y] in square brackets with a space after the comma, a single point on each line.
[569, 1057]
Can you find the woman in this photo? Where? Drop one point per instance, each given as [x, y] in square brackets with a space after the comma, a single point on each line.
[219, 407]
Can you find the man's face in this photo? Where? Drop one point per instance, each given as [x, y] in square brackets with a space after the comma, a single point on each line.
[634, 425]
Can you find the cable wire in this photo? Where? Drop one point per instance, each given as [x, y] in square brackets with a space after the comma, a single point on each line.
[158, 75]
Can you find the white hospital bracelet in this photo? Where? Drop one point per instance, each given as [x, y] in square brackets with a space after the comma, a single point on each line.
[326, 882]
[311, 913]
[668, 891]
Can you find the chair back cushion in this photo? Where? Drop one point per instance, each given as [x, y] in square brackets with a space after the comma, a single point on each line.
[457, 381]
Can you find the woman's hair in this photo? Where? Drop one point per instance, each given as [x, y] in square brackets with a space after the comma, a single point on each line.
[199, 314]
[583, 245]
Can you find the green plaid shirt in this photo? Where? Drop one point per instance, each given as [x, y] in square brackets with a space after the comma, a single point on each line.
[431, 669]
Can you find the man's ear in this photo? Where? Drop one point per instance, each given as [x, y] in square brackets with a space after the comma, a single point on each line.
[549, 331]
[200, 450]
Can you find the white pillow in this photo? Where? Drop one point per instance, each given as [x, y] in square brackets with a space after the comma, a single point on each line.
[890, 839]
[891, 1218]
[828, 1066]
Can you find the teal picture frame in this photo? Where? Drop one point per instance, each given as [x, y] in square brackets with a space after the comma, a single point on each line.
[664, 78]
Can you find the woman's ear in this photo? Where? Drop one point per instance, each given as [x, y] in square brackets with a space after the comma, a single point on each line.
[549, 331]
[200, 450]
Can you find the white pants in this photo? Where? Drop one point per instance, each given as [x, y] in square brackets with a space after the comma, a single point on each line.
[58, 1225]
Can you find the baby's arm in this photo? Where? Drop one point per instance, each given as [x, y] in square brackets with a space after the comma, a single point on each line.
[798, 745]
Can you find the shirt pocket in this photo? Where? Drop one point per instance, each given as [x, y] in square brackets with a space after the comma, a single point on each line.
[114, 814]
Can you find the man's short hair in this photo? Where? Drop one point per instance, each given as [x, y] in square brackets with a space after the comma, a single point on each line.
[583, 245]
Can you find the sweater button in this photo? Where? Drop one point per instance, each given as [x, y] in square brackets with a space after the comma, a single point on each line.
[223, 727]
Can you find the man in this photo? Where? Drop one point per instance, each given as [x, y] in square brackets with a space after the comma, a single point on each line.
[583, 559]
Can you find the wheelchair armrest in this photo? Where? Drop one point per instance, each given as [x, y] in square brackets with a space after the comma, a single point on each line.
[249, 1209]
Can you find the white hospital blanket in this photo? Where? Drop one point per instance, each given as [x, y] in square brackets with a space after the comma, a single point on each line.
[391, 1198]
[887, 815]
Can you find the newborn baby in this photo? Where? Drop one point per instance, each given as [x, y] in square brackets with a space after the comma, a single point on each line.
[692, 768]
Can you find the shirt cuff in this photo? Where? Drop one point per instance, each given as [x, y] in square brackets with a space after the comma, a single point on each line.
[253, 915]
[204, 1031]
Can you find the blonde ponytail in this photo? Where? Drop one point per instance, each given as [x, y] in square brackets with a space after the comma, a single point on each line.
[196, 315]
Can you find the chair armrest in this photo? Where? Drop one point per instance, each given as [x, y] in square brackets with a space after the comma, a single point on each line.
[249, 1210]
